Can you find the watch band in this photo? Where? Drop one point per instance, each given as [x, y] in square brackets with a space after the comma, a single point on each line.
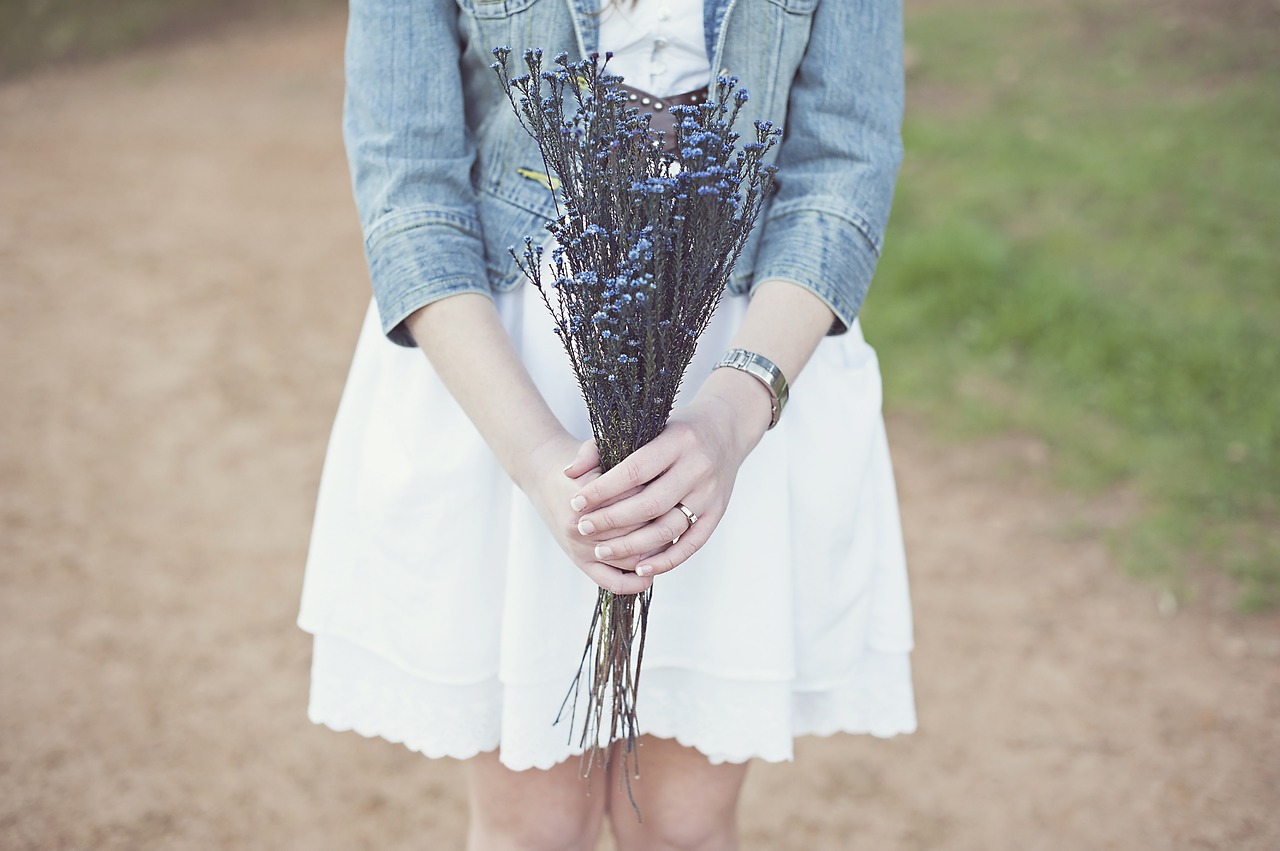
[764, 371]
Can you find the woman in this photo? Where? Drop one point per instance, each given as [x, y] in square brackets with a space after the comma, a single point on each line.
[458, 496]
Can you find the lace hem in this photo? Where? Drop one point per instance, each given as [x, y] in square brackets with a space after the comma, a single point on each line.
[728, 721]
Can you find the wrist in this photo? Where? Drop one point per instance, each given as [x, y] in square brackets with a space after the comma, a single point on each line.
[763, 370]
[747, 403]
[548, 452]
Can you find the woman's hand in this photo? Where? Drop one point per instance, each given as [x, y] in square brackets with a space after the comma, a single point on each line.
[551, 485]
[631, 511]
[630, 515]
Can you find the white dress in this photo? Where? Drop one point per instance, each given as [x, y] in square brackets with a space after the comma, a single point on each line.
[446, 618]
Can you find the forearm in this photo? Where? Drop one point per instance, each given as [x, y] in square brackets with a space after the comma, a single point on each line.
[824, 227]
[784, 323]
[469, 349]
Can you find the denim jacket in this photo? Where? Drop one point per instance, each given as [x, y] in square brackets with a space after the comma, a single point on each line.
[445, 179]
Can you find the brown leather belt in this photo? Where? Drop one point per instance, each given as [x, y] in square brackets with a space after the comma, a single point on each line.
[660, 109]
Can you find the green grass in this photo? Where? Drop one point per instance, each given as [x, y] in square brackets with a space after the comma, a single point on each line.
[1086, 245]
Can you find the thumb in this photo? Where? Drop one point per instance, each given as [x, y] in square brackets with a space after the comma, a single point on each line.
[587, 459]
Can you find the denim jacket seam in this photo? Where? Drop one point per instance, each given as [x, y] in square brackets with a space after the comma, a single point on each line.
[857, 265]
[831, 296]
[412, 299]
[850, 216]
[425, 293]
[402, 221]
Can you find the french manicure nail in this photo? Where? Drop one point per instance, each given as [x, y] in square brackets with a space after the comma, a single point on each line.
[644, 570]
[578, 503]
[603, 552]
[586, 527]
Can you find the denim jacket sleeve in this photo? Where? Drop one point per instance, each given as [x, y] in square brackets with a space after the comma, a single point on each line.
[411, 156]
[840, 156]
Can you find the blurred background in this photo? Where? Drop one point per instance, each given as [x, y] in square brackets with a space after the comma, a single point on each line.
[1087, 248]
[1078, 318]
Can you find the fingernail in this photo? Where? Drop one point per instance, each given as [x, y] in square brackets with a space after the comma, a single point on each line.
[578, 503]
[603, 552]
[586, 527]
[644, 570]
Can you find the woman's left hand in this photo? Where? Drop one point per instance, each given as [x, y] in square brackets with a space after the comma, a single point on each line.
[693, 462]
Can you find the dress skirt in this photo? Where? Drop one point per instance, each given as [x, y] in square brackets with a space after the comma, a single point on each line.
[446, 617]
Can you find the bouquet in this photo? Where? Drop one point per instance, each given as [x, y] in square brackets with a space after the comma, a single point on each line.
[645, 242]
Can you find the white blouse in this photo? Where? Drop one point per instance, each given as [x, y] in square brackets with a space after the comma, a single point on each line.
[657, 45]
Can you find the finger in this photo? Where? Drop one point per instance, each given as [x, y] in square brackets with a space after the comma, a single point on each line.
[614, 580]
[644, 506]
[640, 467]
[679, 552]
[580, 546]
[595, 474]
[578, 503]
[587, 459]
[650, 538]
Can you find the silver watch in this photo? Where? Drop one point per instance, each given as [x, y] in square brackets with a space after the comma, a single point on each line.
[764, 371]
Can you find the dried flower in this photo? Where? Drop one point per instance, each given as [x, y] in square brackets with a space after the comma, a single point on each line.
[645, 241]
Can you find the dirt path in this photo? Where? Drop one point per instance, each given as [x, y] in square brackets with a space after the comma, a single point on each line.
[180, 288]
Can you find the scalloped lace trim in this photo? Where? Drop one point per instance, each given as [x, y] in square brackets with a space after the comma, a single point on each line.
[353, 689]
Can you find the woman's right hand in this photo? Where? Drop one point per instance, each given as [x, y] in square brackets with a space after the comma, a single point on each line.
[544, 481]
